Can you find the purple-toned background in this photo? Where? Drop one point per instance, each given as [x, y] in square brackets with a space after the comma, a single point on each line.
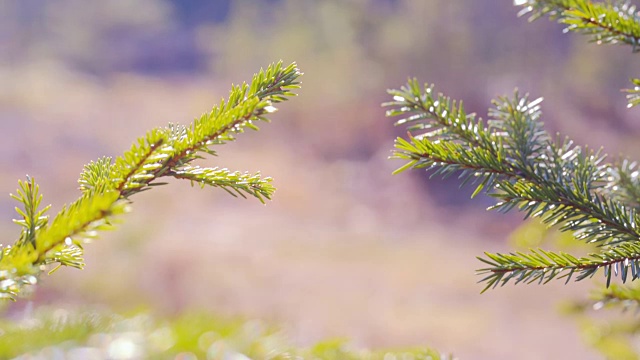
[345, 249]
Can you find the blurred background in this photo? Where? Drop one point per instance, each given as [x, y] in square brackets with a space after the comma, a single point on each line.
[345, 249]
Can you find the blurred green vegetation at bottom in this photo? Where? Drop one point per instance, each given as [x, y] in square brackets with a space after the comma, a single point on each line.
[65, 334]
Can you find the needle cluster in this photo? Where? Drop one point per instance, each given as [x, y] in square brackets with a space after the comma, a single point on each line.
[107, 185]
[512, 158]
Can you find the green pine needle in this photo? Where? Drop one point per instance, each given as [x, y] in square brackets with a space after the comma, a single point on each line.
[513, 159]
[107, 185]
[604, 22]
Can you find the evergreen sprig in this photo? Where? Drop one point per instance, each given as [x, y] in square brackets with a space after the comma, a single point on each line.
[512, 158]
[32, 218]
[107, 184]
[543, 266]
[235, 183]
[607, 22]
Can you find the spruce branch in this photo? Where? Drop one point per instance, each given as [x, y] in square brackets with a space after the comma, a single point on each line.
[107, 185]
[512, 158]
[95, 175]
[32, 218]
[543, 266]
[80, 222]
[605, 22]
[235, 183]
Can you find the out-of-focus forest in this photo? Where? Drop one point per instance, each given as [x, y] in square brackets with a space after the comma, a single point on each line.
[345, 249]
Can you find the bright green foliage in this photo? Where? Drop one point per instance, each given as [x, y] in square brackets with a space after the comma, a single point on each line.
[605, 22]
[107, 185]
[570, 188]
[515, 160]
[107, 336]
[32, 218]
